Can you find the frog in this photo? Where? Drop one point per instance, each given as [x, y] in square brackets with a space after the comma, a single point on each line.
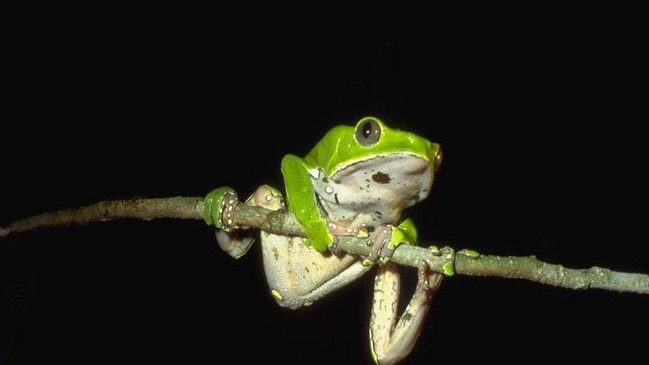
[356, 181]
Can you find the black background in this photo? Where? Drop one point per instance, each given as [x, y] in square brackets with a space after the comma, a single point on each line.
[540, 113]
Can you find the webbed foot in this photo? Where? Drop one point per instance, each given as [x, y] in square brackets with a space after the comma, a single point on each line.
[220, 205]
[386, 238]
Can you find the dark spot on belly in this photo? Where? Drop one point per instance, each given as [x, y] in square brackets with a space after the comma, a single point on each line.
[381, 178]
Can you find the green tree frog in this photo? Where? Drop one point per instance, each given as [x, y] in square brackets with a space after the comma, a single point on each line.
[355, 182]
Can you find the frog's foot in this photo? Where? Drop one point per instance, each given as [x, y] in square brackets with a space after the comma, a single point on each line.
[428, 282]
[384, 240]
[219, 209]
[337, 230]
[220, 205]
[335, 248]
[392, 342]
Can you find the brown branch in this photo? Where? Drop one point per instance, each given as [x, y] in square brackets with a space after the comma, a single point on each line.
[465, 262]
[145, 209]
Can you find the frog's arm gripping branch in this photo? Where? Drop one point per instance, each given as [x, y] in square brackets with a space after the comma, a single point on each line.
[465, 262]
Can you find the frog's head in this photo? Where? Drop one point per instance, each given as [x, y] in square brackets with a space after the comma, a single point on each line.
[344, 146]
[373, 135]
[391, 163]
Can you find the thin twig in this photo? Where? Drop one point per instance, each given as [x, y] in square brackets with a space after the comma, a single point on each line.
[104, 211]
[282, 222]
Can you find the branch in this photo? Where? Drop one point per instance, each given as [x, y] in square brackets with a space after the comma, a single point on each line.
[145, 209]
[466, 262]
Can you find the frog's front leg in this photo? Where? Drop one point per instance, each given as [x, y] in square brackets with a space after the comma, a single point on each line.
[392, 342]
[297, 274]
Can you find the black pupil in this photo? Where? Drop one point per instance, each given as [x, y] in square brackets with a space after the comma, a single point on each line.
[367, 130]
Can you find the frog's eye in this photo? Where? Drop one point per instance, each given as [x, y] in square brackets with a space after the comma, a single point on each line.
[368, 132]
[437, 162]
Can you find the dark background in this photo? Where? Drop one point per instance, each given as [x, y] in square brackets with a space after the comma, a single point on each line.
[540, 113]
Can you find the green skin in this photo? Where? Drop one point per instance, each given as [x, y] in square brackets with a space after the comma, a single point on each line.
[355, 182]
[337, 152]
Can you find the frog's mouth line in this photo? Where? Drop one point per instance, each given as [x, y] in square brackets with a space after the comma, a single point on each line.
[419, 171]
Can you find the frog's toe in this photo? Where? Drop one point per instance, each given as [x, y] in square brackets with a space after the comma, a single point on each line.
[384, 240]
[428, 280]
[335, 248]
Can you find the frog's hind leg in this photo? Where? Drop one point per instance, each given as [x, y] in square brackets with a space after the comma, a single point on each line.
[393, 340]
[298, 275]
